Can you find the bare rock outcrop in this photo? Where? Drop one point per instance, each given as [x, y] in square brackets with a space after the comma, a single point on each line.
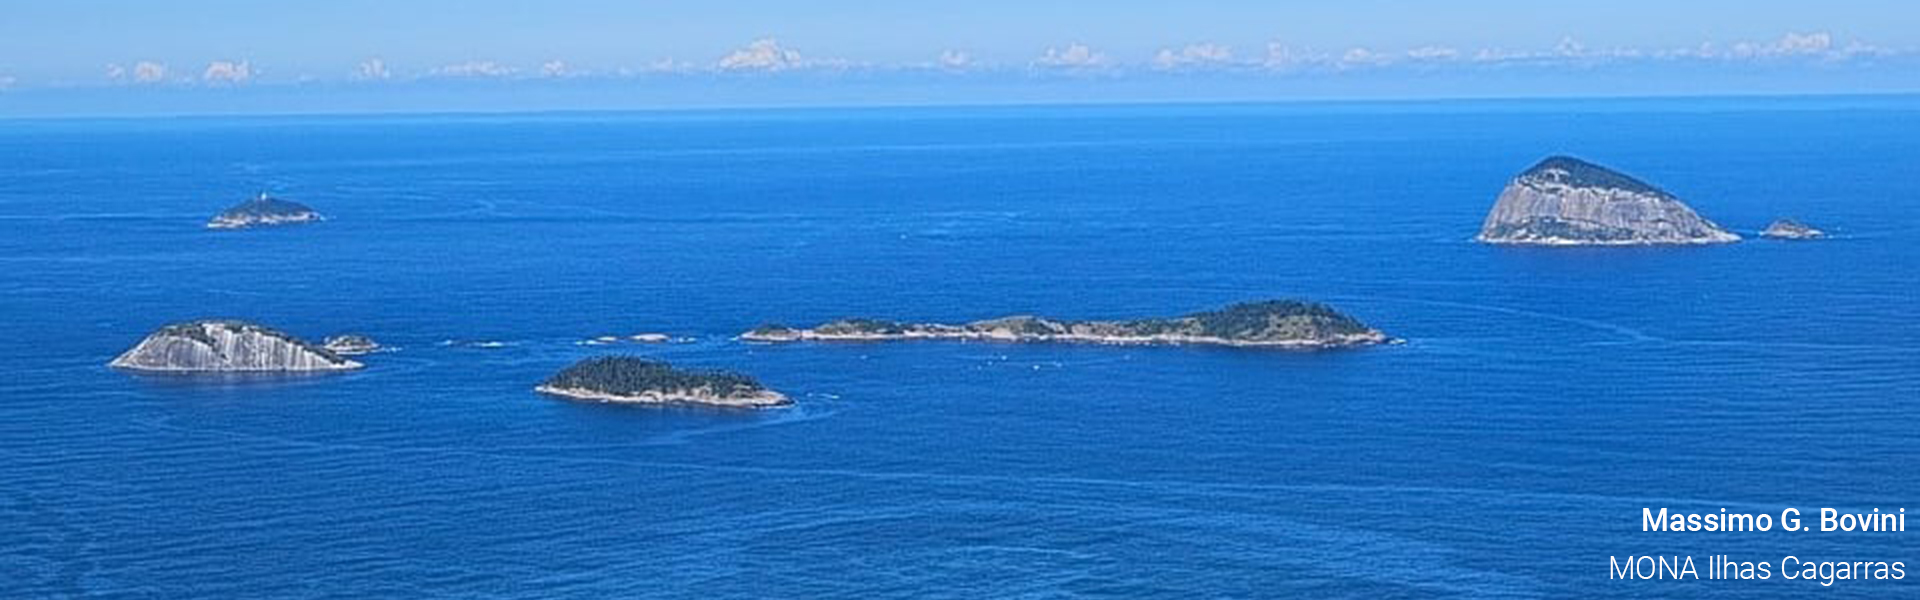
[1789, 229]
[212, 346]
[1566, 201]
[351, 344]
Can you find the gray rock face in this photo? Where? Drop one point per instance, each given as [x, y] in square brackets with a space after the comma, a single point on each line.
[1789, 229]
[1566, 201]
[227, 346]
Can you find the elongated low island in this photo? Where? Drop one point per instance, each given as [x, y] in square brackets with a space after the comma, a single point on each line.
[629, 379]
[1286, 324]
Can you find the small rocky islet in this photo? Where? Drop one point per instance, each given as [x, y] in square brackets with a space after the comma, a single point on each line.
[637, 338]
[1287, 324]
[1789, 229]
[635, 380]
[264, 210]
[228, 346]
[351, 344]
[1566, 201]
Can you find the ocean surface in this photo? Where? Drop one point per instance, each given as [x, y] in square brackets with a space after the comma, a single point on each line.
[1544, 397]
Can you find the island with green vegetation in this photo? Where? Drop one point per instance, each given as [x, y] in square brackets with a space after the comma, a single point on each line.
[630, 379]
[264, 210]
[1289, 324]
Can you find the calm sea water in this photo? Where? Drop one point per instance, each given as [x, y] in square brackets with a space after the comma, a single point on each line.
[1545, 396]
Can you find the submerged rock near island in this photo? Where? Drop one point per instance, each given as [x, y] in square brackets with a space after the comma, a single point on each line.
[1271, 324]
[1789, 229]
[262, 211]
[351, 344]
[1565, 201]
[628, 379]
[218, 345]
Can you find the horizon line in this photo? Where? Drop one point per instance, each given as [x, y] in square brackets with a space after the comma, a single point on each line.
[881, 106]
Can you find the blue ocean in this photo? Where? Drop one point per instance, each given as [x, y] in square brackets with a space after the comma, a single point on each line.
[1544, 397]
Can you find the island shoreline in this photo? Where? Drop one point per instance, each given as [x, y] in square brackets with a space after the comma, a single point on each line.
[764, 399]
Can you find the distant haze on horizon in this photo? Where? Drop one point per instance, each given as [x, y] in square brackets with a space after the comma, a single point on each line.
[107, 57]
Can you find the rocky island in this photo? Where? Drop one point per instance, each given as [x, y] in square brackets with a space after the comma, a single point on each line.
[1789, 229]
[1565, 201]
[351, 344]
[638, 338]
[637, 380]
[261, 211]
[1288, 324]
[214, 346]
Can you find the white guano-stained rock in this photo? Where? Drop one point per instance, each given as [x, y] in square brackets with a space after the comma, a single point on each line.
[214, 346]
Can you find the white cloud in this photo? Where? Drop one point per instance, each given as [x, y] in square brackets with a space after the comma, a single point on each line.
[143, 72]
[1567, 51]
[475, 68]
[1858, 48]
[1704, 50]
[1364, 57]
[664, 65]
[7, 81]
[1569, 48]
[1792, 46]
[372, 69]
[1795, 44]
[225, 72]
[769, 55]
[1193, 56]
[764, 54]
[1818, 45]
[1281, 57]
[1498, 55]
[1433, 53]
[1074, 56]
[955, 60]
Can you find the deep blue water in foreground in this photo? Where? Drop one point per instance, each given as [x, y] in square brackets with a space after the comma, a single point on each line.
[1543, 399]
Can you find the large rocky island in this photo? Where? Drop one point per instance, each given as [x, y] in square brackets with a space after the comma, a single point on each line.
[261, 211]
[1288, 324]
[628, 379]
[1565, 201]
[228, 346]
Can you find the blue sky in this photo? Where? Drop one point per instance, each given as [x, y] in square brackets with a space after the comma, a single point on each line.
[104, 56]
